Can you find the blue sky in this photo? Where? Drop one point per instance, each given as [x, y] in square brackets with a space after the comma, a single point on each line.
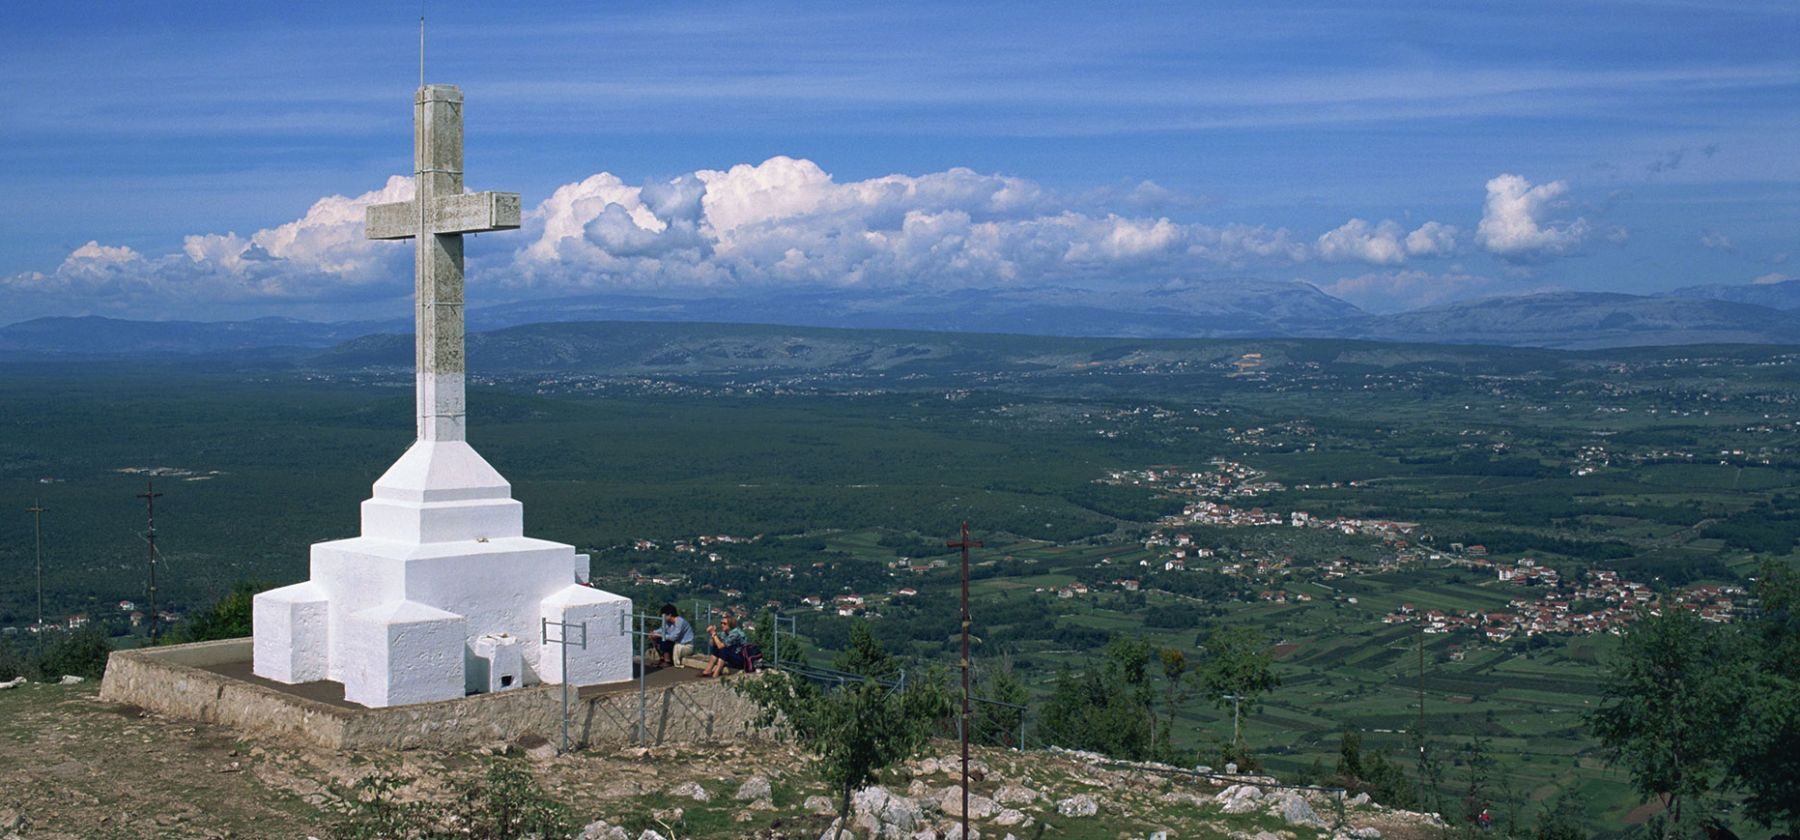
[208, 160]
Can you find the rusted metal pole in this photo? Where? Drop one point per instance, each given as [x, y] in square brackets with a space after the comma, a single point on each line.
[965, 545]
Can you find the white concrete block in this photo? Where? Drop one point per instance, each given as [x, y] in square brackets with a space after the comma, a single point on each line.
[442, 471]
[607, 658]
[403, 652]
[430, 522]
[496, 663]
[290, 626]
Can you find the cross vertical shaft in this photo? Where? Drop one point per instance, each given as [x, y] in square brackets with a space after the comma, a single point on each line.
[438, 267]
[437, 217]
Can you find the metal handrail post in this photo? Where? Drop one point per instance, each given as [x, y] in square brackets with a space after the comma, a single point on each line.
[562, 641]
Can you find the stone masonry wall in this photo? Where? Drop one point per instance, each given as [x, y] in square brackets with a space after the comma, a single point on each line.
[172, 681]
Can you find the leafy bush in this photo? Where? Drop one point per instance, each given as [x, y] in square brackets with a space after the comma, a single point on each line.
[81, 652]
[229, 618]
[504, 804]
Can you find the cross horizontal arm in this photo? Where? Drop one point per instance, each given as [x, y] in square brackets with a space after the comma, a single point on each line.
[464, 213]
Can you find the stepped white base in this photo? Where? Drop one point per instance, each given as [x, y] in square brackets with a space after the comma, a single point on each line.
[396, 614]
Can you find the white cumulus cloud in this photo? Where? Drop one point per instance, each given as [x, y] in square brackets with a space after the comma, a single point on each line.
[321, 256]
[1514, 225]
[1385, 243]
[783, 222]
[787, 221]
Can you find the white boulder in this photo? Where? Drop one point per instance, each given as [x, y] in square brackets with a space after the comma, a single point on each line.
[1080, 805]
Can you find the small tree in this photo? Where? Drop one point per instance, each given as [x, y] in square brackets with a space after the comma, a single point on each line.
[14, 661]
[1561, 820]
[1766, 761]
[508, 803]
[1107, 709]
[865, 655]
[1237, 664]
[1670, 697]
[81, 652]
[1373, 773]
[1477, 764]
[855, 729]
[1176, 690]
[1431, 773]
[997, 724]
[229, 618]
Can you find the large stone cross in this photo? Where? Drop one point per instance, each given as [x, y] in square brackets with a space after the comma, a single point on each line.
[437, 217]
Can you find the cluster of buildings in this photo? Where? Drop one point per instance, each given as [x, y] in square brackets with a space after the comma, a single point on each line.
[1602, 603]
[1223, 479]
[1226, 480]
[126, 610]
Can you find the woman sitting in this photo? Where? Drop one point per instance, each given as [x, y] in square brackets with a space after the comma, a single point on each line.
[728, 650]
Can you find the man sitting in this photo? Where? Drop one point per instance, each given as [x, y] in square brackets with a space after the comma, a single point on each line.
[674, 640]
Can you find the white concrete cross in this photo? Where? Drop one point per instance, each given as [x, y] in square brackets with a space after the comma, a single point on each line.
[442, 594]
[437, 217]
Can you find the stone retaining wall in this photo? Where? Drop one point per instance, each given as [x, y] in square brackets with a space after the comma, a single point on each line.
[173, 681]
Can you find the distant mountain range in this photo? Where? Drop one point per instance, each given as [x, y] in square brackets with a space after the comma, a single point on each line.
[1782, 295]
[1755, 314]
[93, 335]
[1581, 320]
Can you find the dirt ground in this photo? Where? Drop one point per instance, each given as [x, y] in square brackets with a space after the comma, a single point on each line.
[74, 767]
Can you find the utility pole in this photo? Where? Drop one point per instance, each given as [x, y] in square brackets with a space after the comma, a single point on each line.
[1235, 700]
[37, 510]
[149, 496]
[965, 544]
[1421, 647]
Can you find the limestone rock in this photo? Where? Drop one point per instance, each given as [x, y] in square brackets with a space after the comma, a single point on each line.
[920, 790]
[870, 800]
[764, 804]
[955, 832]
[880, 813]
[1239, 799]
[541, 752]
[1295, 810]
[651, 834]
[70, 679]
[602, 830]
[1357, 800]
[980, 807]
[1011, 817]
[819, 805]
[667, 816]
[691, 790]
[1016, 795]
[952, 764]
[1182, 797]
[755, 787]
[926, 766]
[15, 682]
[1080, 805]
